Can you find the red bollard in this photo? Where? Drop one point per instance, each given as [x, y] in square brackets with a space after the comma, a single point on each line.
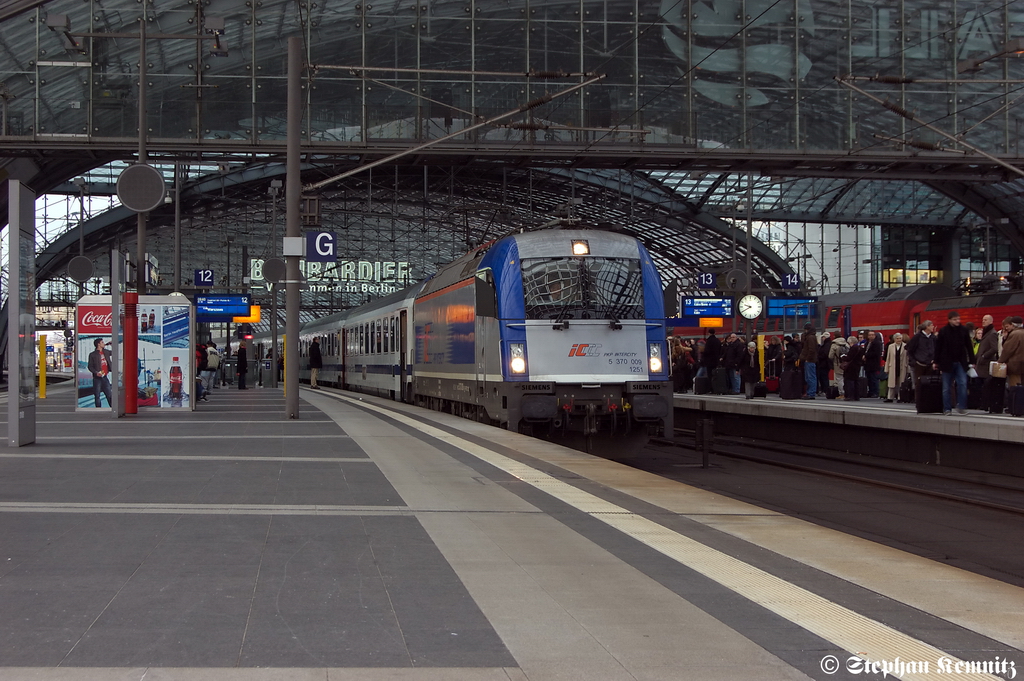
[130, 379]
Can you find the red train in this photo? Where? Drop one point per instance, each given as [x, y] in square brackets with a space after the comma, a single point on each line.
[903, 309]
[886, 310]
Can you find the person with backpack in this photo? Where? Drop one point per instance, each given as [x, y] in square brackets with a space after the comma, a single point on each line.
[836, 352]
[201, 366]
[212, 365]
[851, 364]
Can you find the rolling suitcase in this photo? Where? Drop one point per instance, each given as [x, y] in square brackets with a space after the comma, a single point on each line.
[906, 393]
[996, 388]
[720, 381]
[771, 384]
[792, 386]
[701, 385]
[929, 395]
[862, 387]
[832, 393]
[753, 390]
[1015, 400]
[975, 391]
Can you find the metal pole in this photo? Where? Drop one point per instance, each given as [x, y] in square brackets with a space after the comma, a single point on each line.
[293, 193]
[750, 239]
[177, 227]
[140, 247]
[273, 291]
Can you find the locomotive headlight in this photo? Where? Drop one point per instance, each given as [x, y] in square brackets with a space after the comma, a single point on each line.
[517, 358]
[581, 247]
[654, 357]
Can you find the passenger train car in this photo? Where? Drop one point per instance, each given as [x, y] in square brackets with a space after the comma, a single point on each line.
[555, 332]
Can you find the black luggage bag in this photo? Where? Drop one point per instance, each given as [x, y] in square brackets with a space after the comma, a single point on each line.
[701, 385]
[1015, 400]
[906, 392]
[720, 381]
[929, 395]
[792, 385]
[753, 390]
[996, 397]
[832, 393]
[975, 392]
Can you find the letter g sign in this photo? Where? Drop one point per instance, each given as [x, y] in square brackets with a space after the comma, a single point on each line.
[321, 247]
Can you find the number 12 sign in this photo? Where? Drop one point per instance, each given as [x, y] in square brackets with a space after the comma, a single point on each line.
[204, 277]
[790, 282]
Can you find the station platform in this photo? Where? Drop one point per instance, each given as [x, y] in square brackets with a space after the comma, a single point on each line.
[375, 540]
[975, 441]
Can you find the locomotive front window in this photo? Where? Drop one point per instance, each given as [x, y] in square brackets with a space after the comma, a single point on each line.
[583, 288]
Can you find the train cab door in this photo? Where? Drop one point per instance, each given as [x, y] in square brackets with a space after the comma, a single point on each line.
[847, 321]
[403, 354]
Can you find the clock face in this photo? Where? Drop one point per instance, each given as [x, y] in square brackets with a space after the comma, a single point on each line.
[750, 307]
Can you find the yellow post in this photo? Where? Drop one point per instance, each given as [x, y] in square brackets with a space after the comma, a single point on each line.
[42, 367]
[760, 352]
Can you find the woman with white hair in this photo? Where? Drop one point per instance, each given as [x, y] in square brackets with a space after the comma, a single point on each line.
[897, 364]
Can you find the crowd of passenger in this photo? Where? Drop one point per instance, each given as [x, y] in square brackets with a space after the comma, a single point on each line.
[866, 365]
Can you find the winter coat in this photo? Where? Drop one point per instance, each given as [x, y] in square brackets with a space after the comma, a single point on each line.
[712, 353]
[835, 351]
[873, 355]
[809, 347]
[922, 349]
[773, 360]
[953, 346]
[734, 354]
[750, 366]
[896, 364]
[316, 360]
[1013, 353]
[242, 359]
[854, 363]
[988, 351]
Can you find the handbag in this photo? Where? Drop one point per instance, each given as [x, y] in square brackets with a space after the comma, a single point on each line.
[972, 373]
[997, 369]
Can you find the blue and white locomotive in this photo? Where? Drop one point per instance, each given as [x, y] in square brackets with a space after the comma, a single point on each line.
[555, 332]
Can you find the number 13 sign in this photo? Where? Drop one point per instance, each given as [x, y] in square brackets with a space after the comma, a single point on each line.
[204, 277]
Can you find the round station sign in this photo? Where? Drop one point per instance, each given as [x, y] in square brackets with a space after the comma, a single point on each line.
[141, 187]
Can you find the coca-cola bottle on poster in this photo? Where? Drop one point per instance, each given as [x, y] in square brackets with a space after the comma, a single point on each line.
[176, 378]
[152, 318]
[143, 326]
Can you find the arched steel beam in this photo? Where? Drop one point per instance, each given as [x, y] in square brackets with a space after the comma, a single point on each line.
[653, 194]
[1004, 217]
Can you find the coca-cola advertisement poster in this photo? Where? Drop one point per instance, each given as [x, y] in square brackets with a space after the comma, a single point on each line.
[165, 361]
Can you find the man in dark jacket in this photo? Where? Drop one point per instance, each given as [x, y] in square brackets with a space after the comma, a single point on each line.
[988, 352]
[712, 353]
[100, 362]
[954, 353]
[241, 365]
[823, 365]
[732, 359]
[873, 353]
[850, 365]
[921, 351]
[809, 360]
[316, 363]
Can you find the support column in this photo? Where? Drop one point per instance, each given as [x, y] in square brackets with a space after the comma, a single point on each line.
[293, 195]
[951, 257]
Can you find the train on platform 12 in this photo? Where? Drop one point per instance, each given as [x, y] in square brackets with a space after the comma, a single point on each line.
[556, 333]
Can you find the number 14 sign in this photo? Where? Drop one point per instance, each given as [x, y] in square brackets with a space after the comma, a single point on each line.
[204, 277]
[791, 282]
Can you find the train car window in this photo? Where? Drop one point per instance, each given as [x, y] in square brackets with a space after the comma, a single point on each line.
[833, 317]
[583, 288]
[486, 296]
[377, 328]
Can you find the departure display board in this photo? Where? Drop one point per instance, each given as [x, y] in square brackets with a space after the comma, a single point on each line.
[706, 307]
[222, 308]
